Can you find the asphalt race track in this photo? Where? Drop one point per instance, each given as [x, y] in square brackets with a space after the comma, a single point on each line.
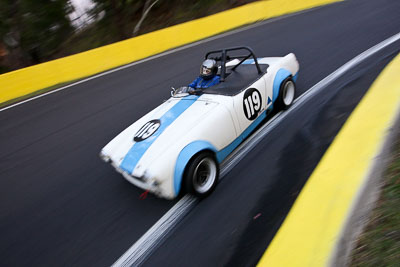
[260, 190]
[60, 205]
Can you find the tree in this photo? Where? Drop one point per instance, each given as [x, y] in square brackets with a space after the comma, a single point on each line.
[119, 15]
[112, 14]
[146, 9]
[32, 30]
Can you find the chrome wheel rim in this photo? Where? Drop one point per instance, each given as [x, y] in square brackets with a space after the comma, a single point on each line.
[288, 93]
[204, 175]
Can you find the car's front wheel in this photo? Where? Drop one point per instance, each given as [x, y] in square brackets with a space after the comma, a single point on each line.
[201, 175]
[286, 93]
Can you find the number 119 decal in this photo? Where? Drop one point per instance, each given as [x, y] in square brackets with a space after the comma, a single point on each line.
[147, 130]
[251, 103]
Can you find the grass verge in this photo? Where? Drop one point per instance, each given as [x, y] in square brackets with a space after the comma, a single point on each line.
[379, 244]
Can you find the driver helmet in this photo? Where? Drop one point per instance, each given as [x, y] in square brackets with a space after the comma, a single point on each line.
[208, 69]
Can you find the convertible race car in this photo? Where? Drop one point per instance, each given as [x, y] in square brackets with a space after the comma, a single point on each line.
[180, 144]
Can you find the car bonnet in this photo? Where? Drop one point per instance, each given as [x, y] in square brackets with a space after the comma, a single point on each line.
[158, 130]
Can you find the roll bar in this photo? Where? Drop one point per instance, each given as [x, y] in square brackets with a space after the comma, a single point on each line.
[225, 57]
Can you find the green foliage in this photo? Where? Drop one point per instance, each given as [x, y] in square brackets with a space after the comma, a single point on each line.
[39, 30]
[33, 29]
[379, 245]
[117, 15]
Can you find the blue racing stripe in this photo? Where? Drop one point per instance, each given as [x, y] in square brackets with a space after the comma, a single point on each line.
[280, 76]
[193, 148]
[226, 151]
[138, 149]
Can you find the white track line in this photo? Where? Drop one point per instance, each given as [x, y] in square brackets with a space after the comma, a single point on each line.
[143, 248]
[245, 28]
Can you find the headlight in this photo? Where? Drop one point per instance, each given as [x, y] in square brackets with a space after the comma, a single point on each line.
[154, 182]
[150, 179]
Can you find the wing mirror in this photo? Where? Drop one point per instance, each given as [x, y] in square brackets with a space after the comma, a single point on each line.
[173, 91]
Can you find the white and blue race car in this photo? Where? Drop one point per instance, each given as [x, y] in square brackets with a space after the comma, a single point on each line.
[180, 144]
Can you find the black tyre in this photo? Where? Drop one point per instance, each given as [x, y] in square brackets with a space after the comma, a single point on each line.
[287, 91]
[201, 175]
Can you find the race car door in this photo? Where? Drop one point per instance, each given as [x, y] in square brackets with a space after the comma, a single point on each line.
[250, 104]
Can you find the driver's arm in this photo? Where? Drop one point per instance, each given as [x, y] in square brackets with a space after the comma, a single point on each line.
[193, 91]
[194, 83]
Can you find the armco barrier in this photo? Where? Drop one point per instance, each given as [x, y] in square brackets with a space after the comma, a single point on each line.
[325, 213]
[28, 80]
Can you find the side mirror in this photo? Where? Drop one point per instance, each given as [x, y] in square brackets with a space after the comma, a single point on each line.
[173, 90]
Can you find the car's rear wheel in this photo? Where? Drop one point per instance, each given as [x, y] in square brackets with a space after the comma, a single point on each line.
[201, 175]
[286, 93]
